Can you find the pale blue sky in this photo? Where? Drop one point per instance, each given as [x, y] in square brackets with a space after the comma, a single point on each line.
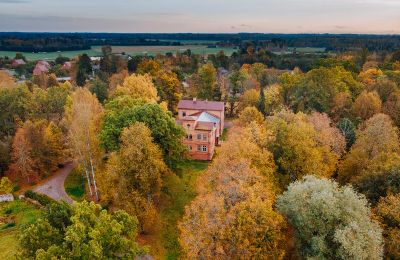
[285, 16]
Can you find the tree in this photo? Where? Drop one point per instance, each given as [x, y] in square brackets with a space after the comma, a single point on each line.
[384, 87]
[206, 85]
[6, 186]
[100, 89]
[330, 222]
[236, 80]
[169, 89]
[250, 114]
[376, 148]
[388, 211]
[327, 133]
[139, 87]
[297, 147]
[236, 209]
[15, 106]
[366, 105]
[89, 232]
[121, 113]
[137, 168]
[348, 130]
[82, 117]
[316, 90]
[249, 98]
[392, 107]
[22, 161]
[6, 81]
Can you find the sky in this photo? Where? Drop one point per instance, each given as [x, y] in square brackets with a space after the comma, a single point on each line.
[205, 16]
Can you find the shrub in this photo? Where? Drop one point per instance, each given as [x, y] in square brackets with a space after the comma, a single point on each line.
[44, 200]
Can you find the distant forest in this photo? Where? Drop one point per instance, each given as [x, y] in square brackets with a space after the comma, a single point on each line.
[47, 42]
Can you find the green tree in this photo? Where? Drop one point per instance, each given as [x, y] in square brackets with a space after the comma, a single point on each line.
[165, 132]
[100, 89]
[90, 232]
[330, 222]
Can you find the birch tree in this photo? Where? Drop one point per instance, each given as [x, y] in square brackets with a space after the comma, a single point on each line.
[83, 115]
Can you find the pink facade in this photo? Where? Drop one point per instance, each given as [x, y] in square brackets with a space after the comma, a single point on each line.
[204, 123]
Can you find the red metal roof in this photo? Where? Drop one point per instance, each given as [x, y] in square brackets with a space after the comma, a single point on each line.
[201, 105]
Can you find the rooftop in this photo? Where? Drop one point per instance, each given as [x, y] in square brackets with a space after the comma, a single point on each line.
[201, 105]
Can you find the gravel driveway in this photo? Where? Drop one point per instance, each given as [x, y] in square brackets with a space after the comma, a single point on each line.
[54, 187]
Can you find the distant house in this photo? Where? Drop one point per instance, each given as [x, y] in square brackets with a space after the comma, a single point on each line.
[17, 62]
[41, 67]
[204, 122]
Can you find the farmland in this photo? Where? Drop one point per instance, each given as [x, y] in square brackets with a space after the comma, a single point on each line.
[129, 50]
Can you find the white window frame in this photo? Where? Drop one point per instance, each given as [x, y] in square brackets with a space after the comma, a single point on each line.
[204, 148]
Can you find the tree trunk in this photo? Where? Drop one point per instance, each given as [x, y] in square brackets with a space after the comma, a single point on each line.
[94, 179]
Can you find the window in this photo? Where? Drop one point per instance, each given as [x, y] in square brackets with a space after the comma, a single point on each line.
[183, 113]
[190, 147]
[198, 136]
[190, 137]
[199, 148]
[204, 148]
[188, 125]
[204, 137]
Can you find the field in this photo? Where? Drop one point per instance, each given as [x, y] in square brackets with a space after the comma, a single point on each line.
[131, 50]
[14, 216]
[177, 192]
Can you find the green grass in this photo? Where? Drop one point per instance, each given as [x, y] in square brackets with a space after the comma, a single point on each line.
[75, 185]
[177, 192]
[24, 214]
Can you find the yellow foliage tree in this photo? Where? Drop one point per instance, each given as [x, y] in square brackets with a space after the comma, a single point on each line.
[250, 114]
[138, 87]
[366, 105]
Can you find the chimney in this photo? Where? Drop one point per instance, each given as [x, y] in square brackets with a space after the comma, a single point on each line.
[194, 100]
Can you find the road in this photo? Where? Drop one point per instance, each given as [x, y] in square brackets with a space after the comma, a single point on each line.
[54, 186]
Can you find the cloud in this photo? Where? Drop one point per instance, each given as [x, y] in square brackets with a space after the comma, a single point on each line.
[14, 1]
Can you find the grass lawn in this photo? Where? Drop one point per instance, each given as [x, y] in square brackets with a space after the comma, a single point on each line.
[22, 214]
[75, 185]
[177, 192]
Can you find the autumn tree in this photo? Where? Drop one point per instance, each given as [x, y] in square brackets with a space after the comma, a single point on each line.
[392, 107]
[82, 117]
[138, 87]
[41, 145]
[6, 186]
[133, 174]
[169, 89]
[298, 148]
[85, 231]
[388, 212]
[236, 208]
[384, 87]
[330, 222]
[376, 149]
[366, 105]
[206, 86]
[249, 98]
[250, 114]
[22, 161]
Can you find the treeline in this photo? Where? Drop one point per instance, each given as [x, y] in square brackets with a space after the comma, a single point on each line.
[80, 41]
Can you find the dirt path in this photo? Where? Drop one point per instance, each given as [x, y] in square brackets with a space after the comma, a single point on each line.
[54, 187]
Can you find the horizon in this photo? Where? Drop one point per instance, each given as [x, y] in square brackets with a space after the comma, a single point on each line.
[208, 16]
